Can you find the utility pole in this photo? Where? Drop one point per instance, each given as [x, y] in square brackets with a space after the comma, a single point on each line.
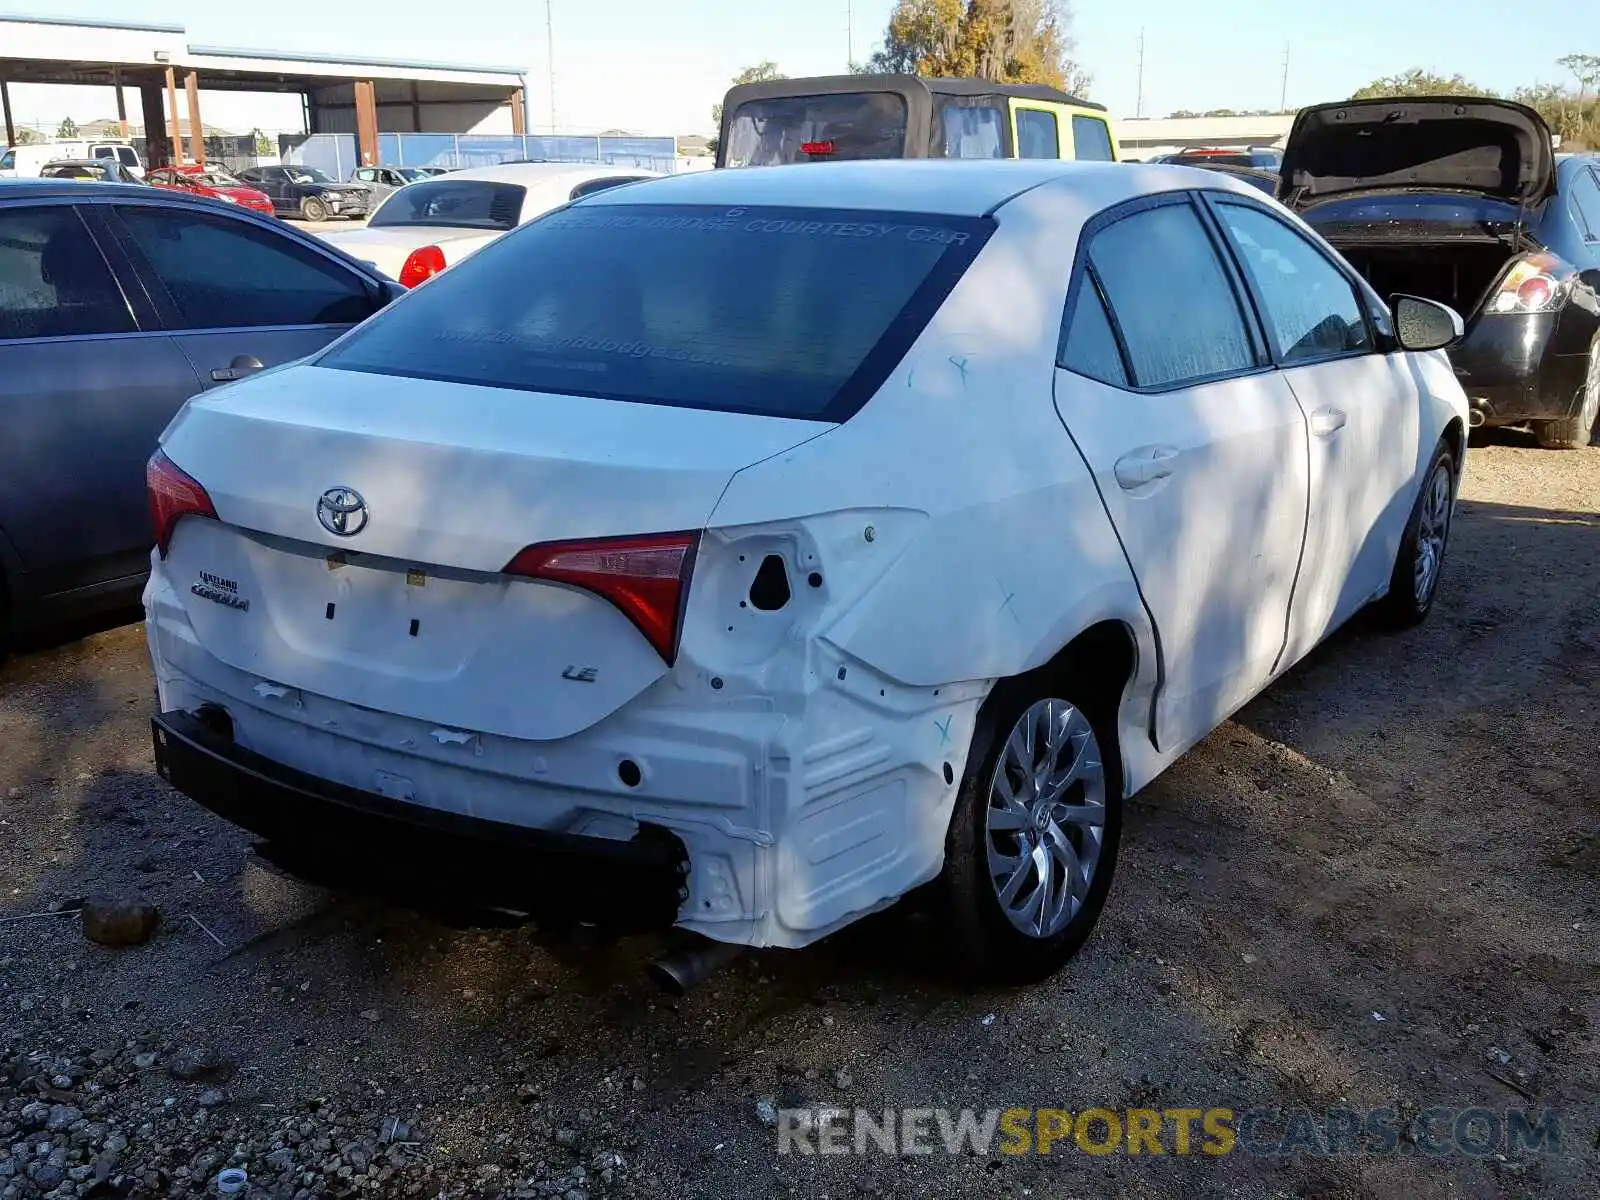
[1283, 95]
[550, 46]
[849, 35]
[1138, 104]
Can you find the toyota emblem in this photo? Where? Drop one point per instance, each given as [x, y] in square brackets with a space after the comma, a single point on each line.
[342, 511]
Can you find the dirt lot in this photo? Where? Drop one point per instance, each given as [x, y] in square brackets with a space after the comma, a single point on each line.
[1379, 886]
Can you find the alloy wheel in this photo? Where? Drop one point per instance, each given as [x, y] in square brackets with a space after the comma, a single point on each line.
[1433, 529]
[1046, 818]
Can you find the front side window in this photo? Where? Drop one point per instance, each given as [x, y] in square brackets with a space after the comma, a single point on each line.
[222, 273]
[794, 129]
[127, 156]
[53, 281]
[1091, 140]
[8, 160]
[454, 203]
[1311, 307]
[1037, 134]
[781, 312]
[1177, 310]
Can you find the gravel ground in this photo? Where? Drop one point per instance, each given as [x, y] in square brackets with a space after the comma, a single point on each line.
[1378, 886]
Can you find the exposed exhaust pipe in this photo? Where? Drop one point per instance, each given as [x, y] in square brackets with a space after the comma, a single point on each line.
[691, 964]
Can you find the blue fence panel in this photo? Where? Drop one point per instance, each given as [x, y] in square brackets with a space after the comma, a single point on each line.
[334, 154]
[427, 150]
[481, 150]
[388, 149]
[554, 148]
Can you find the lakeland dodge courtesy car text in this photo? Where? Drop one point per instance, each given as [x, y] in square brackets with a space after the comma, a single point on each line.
[743, 550]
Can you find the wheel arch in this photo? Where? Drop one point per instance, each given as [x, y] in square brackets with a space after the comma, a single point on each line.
[1106, 657]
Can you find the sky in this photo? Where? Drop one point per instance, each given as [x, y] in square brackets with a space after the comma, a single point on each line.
[657, 66]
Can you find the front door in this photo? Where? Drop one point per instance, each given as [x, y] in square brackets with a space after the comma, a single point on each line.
[1362, 408]
[1198, 448]
[84, 394]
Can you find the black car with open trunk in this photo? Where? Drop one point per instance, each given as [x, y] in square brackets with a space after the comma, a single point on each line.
[1462, 200]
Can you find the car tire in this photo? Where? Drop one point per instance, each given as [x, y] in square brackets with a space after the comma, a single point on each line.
[1414, 583]
[313, 209]
[997, 822]
[1576, 431]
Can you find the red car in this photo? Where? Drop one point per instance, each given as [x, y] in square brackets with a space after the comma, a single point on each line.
[211, 181]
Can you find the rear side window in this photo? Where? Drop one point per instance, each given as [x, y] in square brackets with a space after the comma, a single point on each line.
[1091, 140]
[223, 273]
[105, 151]
[53, 282]
[8, 160]
[782, 312]
[1177, 310]
[1037, 134]
[455, 204]
[971, 127]
[590, 186]
[1088, 346]
[791, 129]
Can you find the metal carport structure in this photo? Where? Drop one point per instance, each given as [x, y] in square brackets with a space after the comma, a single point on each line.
[340, 94]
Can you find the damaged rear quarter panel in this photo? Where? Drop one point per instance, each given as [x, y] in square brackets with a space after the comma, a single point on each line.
[957, 539]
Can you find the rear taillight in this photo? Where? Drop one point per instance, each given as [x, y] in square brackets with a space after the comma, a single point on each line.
[817, 149]
[173, 494]
[646, 578]
[422, 264]
[1535, 283]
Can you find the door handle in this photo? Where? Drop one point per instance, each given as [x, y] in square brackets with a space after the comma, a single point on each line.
[1142, 466]
[1326, 422]
[242, 365]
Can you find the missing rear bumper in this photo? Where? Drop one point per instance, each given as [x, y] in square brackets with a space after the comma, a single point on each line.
[350, 839]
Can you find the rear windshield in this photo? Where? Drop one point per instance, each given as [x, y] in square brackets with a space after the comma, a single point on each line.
[776, 311]
[457, 203]
[791, 129]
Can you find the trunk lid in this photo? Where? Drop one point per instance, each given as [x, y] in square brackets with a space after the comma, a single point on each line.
[411, 614]
[1491, 147]
[387, 248]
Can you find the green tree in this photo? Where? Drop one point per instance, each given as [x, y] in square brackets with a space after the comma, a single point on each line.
[1417, 82]
[762, 72]
[67, 130]
[1010, 41]
[263, 144]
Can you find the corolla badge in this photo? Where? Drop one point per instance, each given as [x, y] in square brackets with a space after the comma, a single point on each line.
[342, 511]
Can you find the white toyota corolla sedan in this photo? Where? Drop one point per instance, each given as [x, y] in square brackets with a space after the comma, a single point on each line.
[742, 550]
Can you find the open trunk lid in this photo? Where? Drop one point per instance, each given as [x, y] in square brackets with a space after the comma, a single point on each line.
[1491, 147]
[410, 613]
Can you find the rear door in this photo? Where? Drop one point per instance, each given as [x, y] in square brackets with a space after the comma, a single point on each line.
[85, 391]
[1363, 410]
[1198, 448]
[237, 295]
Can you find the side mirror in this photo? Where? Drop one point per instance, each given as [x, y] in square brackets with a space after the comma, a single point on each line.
[390, 291]
[1425, 324]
